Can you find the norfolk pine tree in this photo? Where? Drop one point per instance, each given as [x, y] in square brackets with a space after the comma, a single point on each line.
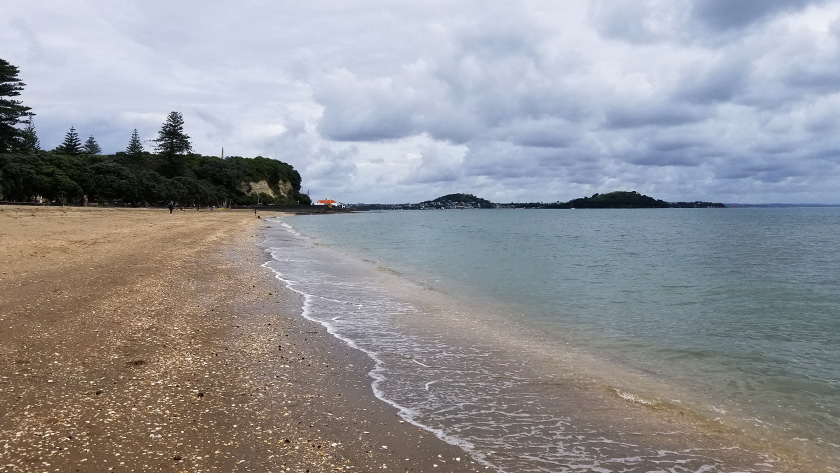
[30, 139]
[91, 147]
[172, 143]
[72, 144]
[12, 112]
[135, 147]
[171, 138]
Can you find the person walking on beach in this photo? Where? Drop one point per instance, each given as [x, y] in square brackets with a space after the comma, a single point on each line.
[171, 207]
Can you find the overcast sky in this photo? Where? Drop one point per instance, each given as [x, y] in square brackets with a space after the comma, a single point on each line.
[402, 101]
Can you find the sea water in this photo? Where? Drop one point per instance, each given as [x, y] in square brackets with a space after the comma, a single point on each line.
[485, 323]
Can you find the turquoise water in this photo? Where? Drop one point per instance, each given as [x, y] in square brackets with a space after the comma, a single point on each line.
[732, 313]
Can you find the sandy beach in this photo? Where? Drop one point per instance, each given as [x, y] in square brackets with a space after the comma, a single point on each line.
[136, 340]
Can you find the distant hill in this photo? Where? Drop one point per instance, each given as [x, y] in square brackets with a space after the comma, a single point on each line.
[460, 199]
[616, 200]
[610, 200]
[627, 200]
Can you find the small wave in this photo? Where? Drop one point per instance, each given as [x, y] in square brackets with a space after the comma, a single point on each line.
[389, 270]
[635, 399]
[288, 227]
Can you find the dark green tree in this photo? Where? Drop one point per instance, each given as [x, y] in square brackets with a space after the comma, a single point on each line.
[20, 180]
[91, 147]
[135, 147]
[113, 183]
[30, 139]
[12, 112]
[56, 185]
[72, 144]
[171, 138]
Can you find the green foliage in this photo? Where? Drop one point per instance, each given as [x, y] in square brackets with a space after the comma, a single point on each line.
[134, 177]
[113, 183]
[29, 139]
[122, 179]
[460, 199]
[171, 138]
[135, 147]
[91, 147]
[613, 200]
[12, 112]
[72, 145]
[19, 177]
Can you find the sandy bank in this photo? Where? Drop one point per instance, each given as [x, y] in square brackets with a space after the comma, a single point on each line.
[136, 340]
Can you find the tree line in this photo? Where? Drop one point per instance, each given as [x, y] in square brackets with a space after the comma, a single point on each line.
[76, 170]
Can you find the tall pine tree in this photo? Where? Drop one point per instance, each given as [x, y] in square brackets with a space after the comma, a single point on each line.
[171, 138]
[12, 112]
[72, 144]
[91, 147]
[30, 141]
[135, 147]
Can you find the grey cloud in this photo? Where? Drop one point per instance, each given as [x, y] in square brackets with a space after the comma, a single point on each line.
[712, 22]
[333, 166]
[539, 133]
[366, 110]
[639, 21]
[810, 64]
[728, 14]
[499, 160]
[220, 127]
[632, 115]
[34, 46]
[484, 83]
[433, 166]
[719, 80]
[762, 171]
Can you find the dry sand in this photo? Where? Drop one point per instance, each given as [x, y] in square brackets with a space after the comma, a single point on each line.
[136, 340]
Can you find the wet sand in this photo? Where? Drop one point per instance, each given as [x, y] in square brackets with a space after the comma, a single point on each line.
[136, 340]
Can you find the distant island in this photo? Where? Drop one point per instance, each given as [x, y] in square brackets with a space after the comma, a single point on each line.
[459, 200]
[611, 200]
[628, 200]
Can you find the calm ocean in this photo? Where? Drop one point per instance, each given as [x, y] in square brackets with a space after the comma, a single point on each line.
[492, 328]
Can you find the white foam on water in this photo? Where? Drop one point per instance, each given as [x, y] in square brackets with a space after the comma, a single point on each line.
[377, 374]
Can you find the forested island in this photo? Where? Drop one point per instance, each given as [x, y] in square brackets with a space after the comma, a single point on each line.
[627, 200]
[77, 172]
[611, 200]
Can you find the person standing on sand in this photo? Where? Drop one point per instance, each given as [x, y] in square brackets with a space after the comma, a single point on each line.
[171, 207]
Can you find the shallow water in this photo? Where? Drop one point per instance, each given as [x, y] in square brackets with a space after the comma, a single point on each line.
[486, 323]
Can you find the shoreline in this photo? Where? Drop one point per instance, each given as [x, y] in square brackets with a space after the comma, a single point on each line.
[135, 340]
[587, 401]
